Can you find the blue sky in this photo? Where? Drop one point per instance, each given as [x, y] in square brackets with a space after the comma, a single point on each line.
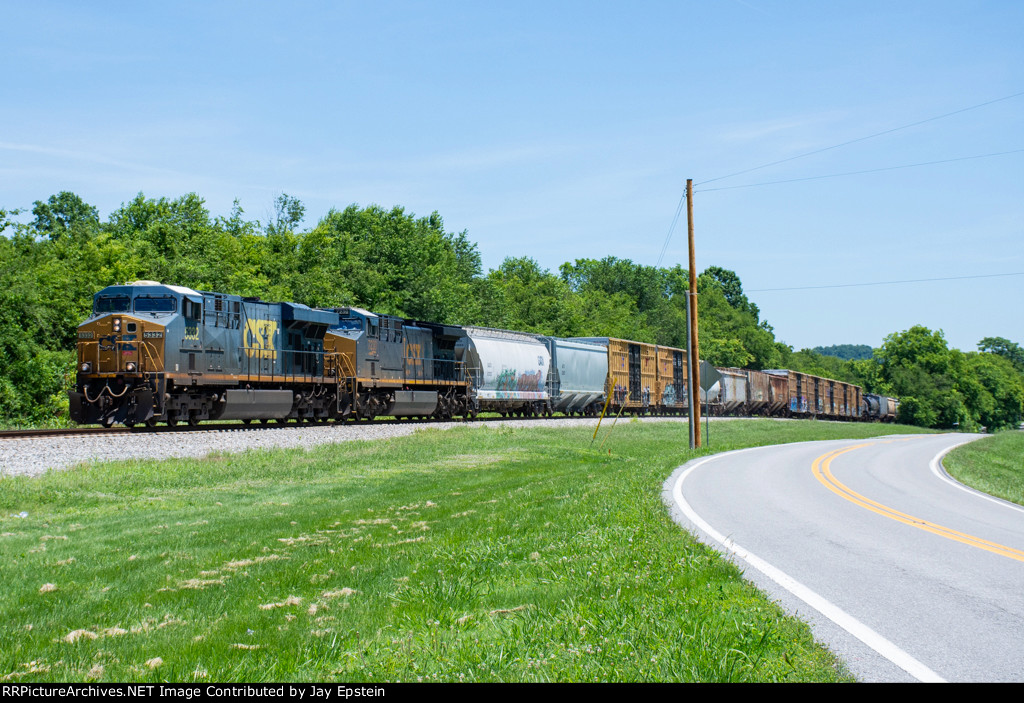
[567, 130]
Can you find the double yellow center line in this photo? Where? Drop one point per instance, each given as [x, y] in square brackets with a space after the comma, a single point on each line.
[822, 471]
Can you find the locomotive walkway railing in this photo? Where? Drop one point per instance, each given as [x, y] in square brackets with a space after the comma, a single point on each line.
[414, 368]
[296, 366]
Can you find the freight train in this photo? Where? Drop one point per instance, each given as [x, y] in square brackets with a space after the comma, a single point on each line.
[152, 353]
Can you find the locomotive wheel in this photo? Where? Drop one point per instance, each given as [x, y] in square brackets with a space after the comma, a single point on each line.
[172, 421]
[151, 422]
[247, 421]
[193, 420]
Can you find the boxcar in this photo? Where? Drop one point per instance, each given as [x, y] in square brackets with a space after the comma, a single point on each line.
[671, 382]
[632, 373]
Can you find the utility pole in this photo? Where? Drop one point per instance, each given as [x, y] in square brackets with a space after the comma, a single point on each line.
[694, 357]
[689, 375]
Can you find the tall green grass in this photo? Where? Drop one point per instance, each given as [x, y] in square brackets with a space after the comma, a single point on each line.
[993, 464]
[477, 554]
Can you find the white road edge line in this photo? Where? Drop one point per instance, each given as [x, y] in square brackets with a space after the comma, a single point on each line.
[831, 611]
[939, 470]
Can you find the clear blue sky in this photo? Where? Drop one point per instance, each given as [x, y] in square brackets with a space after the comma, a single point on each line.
[566, 130]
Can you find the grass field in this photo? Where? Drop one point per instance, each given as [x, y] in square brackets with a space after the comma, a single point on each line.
[993, 464]
[483, 553]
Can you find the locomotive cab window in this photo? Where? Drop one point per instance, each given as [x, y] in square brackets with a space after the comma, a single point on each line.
[193, 311]
[350, 324]
[161, 304]
[108, 303]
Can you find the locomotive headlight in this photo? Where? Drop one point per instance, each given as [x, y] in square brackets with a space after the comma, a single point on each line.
[86, 367]
[130, 366]
[117, 325]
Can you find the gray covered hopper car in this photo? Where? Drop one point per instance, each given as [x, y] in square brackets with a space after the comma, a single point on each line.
[577, 376]
[732, 391]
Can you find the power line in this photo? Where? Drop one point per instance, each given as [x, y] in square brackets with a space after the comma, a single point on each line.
[671, 228]
[886, 283]
[861, 139]
[857, 173]
[682, 199]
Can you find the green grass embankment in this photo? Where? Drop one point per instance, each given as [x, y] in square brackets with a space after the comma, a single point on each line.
[994, 465]
[477, 554]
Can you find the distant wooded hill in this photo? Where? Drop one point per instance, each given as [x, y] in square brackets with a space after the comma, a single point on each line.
[846, 352]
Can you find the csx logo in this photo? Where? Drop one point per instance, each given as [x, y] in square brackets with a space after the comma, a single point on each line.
[259, 339]
[414, 352]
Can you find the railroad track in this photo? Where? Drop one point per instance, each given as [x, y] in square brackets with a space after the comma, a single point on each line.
[234, 426]
[63, 431]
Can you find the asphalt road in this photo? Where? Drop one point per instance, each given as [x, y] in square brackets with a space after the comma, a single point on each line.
[902, 572]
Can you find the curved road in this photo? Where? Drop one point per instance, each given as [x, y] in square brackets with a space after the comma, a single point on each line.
[902, 572]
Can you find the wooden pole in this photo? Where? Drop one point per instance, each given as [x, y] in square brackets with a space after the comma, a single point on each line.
[690, 395]
[695, 356]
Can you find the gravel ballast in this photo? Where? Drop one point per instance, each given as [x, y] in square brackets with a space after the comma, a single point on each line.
[35, 456]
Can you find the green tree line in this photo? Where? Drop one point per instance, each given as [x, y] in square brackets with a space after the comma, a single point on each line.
[392, 261]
